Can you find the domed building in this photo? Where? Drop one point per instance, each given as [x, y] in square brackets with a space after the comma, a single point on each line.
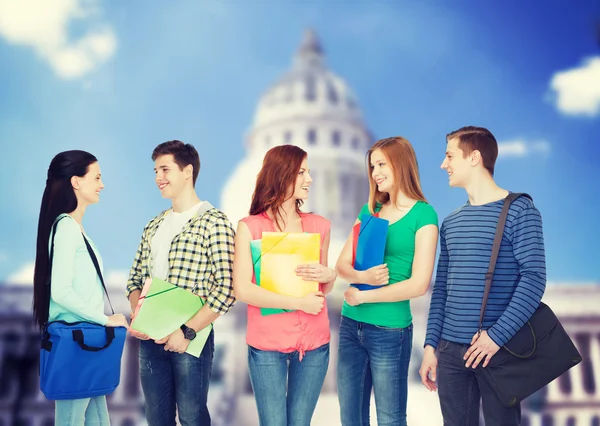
[313, 108]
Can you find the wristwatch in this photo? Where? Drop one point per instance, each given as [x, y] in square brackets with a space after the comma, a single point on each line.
[188, 333]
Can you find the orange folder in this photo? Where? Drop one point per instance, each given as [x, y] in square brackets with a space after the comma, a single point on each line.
[281, 253]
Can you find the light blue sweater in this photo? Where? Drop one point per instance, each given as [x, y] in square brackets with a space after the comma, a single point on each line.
[76, 290]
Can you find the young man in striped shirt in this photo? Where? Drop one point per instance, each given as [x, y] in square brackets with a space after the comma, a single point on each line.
[466, 239]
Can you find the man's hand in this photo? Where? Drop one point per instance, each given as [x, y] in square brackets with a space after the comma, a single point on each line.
[428, 370]
[352, 296]
[482, 346]
[136, 333]
[175, 342]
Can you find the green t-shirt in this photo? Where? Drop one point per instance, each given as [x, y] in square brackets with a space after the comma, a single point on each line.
[399, 253]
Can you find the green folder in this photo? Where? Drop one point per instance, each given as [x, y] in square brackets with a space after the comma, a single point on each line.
[255, 248]
[163, 308]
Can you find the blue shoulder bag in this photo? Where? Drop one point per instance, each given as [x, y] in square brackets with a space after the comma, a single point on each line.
[80, 359]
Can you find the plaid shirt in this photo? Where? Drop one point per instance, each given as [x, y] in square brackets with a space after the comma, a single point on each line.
[200, 258]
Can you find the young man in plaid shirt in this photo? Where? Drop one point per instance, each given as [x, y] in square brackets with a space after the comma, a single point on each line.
[189, 245]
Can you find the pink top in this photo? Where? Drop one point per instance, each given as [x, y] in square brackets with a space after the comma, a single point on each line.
[290, 331]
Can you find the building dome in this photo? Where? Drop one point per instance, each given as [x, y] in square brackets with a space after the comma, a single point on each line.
[310, 107]
[308, 91]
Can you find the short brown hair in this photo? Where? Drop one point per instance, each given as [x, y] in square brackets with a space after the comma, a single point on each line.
[184, 154]
[403, 162]
[471, 138]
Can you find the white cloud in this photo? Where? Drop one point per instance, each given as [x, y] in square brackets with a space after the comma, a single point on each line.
[577, 90]
[522, 148]
[23, 276]
[43, 26]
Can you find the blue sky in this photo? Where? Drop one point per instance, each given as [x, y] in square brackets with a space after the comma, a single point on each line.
[117, 78]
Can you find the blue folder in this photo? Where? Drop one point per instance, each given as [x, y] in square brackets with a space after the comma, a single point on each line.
[370, 247]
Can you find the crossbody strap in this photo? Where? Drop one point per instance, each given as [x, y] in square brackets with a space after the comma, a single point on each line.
[496, 249]
[94, 261]
[97, 266]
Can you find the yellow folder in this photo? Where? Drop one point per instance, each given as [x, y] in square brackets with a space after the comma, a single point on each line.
[281, 253]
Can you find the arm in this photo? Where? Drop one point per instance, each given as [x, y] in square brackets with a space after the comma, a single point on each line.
[344, 267]
[528, 247]
[437, 306]
[68, 234]
[134, 283]
[220, 298]
[203, 318]
[220, 253]
[422, 269]
[245, 290]
[326, 287]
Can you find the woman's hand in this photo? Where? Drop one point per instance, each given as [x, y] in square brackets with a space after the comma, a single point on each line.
[377, 275]
[316, 272]
[117, 320]
[312, 303]
[352, 296]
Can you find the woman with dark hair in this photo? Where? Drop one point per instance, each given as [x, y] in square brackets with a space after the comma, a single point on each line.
[75, 293]
[287, 351]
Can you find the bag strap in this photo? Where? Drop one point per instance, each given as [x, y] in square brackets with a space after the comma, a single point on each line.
[97, 266]
[94, 261]
[496, 249]
[79, 339]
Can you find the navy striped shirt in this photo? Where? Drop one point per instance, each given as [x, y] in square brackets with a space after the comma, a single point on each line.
[466, 239]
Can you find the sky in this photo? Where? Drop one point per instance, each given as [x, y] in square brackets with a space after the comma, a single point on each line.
[117, 78]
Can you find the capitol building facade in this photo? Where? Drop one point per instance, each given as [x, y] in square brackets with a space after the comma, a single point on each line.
[313, 108]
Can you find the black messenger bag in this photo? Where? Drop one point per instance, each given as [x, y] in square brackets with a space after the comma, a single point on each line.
[537, 354]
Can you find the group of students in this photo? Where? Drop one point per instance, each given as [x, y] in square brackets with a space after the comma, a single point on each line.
[192, 245]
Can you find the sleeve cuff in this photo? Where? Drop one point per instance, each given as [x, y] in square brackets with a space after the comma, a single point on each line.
[430, 341]
[131, 288]
[217, 306]
[495, 337]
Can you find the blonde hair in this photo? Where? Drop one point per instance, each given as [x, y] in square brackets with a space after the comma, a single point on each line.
[403, 162]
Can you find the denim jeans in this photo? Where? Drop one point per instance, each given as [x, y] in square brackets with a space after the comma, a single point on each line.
[170, 379]
[460, 389]
[373, 357]
[272, 372]
[82, 412]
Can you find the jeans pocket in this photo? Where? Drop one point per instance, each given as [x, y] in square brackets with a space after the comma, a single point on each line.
[443, 345]
[253, 351]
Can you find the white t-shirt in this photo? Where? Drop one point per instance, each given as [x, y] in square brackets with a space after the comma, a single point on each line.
[160, 245]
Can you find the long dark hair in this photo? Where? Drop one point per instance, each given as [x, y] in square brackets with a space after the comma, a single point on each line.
[279, 171]
[59, 197]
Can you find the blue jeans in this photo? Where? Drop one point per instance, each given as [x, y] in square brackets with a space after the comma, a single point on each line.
[170, 379]
[271, 371]
[373, 357]
[461, 388]
[82, 412]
